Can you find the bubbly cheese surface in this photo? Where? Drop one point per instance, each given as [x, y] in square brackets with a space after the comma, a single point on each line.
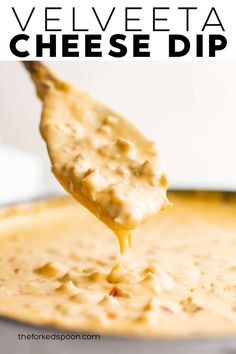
[57, 268]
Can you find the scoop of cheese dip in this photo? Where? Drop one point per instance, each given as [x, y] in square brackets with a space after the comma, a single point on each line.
[179, 279]
[102, 160]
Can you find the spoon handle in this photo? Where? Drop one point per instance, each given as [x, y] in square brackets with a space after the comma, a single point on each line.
[43, 77]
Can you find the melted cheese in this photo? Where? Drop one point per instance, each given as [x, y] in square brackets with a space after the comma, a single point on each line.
[102, 160]
[57, 268]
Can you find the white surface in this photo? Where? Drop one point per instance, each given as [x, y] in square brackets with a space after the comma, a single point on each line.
[187, 108]
[20, 177]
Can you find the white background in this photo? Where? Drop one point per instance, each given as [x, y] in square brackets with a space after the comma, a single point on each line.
[189, 109]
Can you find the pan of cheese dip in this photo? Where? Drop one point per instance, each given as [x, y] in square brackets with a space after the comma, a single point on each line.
[175, 291]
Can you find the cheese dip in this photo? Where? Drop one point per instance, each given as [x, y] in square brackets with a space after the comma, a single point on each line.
[100, 158]
[56, 268]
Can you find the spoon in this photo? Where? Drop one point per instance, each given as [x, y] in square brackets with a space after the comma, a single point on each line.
[98, 156]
